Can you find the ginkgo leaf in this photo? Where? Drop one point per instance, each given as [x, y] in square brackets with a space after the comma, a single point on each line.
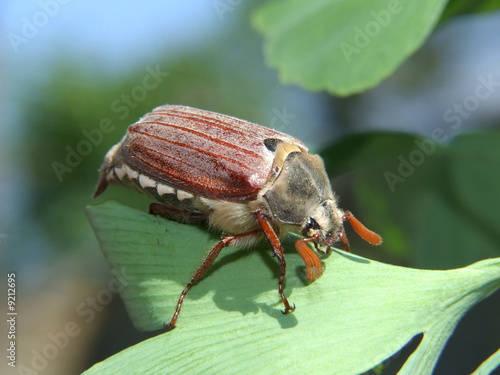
[343, 46]
[358, 314]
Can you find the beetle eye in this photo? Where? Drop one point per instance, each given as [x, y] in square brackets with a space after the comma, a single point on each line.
[312, 224]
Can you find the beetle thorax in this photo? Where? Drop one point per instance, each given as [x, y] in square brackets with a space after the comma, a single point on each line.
[301, 196]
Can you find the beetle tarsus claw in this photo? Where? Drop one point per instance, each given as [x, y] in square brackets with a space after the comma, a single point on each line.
[288, 309]
[168, 327]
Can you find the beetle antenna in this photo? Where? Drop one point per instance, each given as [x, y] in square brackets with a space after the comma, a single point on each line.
[371, 237]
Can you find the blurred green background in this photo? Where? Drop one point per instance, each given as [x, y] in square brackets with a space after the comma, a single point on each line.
[72, 85]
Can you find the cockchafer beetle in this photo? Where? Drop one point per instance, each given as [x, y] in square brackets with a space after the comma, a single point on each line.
[245, 180]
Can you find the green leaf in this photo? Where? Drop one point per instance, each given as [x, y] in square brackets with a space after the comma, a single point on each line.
[358, 314]
[488, 366]
[343, 46]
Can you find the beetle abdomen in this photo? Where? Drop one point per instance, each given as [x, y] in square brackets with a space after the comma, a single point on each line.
[118, 172]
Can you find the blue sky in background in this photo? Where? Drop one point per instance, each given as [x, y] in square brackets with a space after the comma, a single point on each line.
[106, 30]
[100, 35]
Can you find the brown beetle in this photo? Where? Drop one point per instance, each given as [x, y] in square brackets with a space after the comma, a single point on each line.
[247, 181]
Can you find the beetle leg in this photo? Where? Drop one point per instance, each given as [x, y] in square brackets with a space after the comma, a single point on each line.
[175, 213]
[279, 253]
[313, 263]
[207, 262]
[322, 252]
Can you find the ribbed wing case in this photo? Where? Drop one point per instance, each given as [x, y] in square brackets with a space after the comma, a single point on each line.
[201, 152]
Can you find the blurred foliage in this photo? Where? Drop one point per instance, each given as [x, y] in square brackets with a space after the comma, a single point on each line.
[464, 7]
[436, 202]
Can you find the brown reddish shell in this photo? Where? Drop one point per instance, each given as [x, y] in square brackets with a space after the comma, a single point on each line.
[201, 152]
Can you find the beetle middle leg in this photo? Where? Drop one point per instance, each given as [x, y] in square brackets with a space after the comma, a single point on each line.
[279, 252]
[207, 262]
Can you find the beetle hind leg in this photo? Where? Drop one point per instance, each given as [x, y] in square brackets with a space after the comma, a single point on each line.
[207, 262]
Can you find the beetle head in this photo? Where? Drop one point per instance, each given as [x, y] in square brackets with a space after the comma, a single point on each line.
[324, 223]
[301, 196]
[325, 226]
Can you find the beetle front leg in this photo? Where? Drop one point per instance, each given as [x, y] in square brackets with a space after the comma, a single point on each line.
[279, 253]
[344, 242]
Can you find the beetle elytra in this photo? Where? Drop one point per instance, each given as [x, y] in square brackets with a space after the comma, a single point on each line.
[245, 180]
